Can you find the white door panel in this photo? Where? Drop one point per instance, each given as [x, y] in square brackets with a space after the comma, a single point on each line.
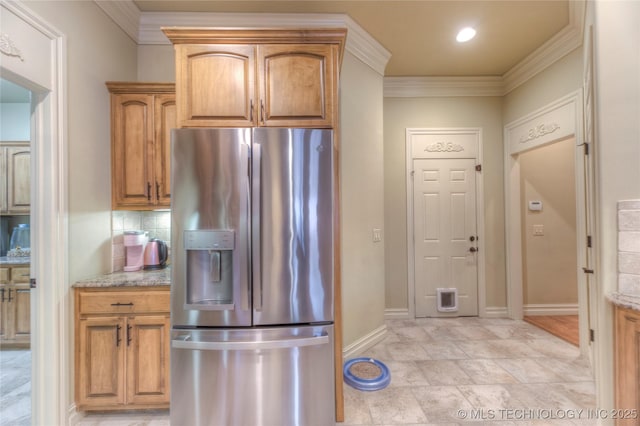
[444, 221]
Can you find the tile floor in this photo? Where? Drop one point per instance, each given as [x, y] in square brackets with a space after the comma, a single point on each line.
[443, 371]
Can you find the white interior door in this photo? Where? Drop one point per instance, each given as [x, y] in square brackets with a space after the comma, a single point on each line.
[445, 235]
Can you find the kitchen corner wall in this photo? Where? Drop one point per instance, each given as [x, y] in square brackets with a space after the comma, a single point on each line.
[156, 223]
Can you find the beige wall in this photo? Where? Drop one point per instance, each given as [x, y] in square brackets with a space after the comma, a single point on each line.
[549, 262]
[362, 198]
[156, 63]
[401, 113]
[97, 51]
[560, 79]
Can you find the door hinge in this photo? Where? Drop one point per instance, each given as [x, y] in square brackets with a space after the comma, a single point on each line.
[588, 271]
[412, 172]
[586, 148]
[32, 283]
[478, 167]
[592, 335]
[589, 241]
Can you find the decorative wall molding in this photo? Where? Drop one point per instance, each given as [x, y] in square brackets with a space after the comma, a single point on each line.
[547, 124]
[443, 142]
[539, 131]
[444, 147]
[8, 47]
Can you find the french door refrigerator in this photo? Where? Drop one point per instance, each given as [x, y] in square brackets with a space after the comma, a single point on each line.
[252, 277]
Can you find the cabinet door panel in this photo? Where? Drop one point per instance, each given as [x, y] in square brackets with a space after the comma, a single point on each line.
[296, 84]
[101, 361]
[148, 360]
[19, 179]
[132, 128]
[22, 313]
[3, 183]
[165, 120]
[215, 85]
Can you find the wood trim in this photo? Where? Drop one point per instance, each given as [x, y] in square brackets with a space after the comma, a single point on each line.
[337, 276]
[120, 87]
[202, 35]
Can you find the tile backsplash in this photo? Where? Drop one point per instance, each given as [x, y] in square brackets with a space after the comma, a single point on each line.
[629, 247]
[156, 223]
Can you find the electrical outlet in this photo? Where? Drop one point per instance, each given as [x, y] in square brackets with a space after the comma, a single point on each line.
[377, 235]
[538, 230]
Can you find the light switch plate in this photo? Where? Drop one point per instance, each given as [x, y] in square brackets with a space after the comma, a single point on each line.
[377, 235]
[538, 230]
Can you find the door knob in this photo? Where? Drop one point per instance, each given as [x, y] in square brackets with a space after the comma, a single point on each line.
[473, 249]
[472, 238]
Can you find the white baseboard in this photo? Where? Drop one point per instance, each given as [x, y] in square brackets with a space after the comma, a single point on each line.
[496, 312]
[551, 309]
[364, 343]
[397, 313]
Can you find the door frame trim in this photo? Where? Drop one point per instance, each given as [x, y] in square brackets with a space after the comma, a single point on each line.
[51, 337]
[411, 281]
[556, 121]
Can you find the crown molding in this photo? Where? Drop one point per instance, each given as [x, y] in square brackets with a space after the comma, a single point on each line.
[419, 87]
[124, 13]
[560, 45]
[359, 42]
[145, 28]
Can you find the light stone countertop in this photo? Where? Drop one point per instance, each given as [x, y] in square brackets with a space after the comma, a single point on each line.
[629, 301]
[15, 260]
[159, 277]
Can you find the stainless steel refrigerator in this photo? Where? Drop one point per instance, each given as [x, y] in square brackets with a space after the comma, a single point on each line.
[252, 277]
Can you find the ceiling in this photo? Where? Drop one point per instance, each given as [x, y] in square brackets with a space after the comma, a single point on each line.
[420, 34]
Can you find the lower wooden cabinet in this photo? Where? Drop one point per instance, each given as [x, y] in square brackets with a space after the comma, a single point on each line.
[627, 363]
[122, 348]
[15, 306]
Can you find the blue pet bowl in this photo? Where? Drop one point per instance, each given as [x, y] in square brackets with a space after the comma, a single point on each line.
[366, 384]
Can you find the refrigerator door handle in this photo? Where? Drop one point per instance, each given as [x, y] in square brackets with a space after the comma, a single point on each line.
[185, 343]
[256, 237]
[246, 160]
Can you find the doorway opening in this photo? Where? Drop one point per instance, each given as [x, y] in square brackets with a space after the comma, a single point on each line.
[555, 126]
[549, 227]
[15, 253]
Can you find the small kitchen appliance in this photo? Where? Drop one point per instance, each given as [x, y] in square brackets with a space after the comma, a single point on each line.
[155, 254]
[252, 339]
[134, 244]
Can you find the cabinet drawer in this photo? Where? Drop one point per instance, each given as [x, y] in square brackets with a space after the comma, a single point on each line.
[20, 274]
[4, 275]
[122, 302]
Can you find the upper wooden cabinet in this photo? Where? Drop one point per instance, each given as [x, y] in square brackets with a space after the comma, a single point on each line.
[142, 116]
[15, 175]
[242, 78]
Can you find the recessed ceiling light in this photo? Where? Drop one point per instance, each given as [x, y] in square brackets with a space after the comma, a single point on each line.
[465, 34]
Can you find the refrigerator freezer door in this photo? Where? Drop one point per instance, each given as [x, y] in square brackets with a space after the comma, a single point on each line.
[210, 206]
[272, 376]
[292, 228]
